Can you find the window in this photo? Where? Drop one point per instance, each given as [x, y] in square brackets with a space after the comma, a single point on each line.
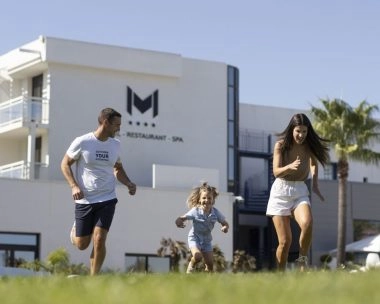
[136, 262]
[231, 164]
[232, 126]
[36, 102]
[38, 149]
[17, 248]
[231, 104]
[365, 228]
[330, 171]
[231, 134]
[252, 176]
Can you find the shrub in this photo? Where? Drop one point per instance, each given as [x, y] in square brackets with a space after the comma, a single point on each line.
[57, 262]
[243, 262]
[176, 249]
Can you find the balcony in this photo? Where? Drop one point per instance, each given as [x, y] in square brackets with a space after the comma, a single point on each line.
[255, 203]
[22, 120]
[253, 141]
[20, 112]
[22, 170]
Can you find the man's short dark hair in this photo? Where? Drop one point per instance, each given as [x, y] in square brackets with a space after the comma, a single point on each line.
[108, 114]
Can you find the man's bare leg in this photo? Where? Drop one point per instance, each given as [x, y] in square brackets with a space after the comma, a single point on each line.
[98, 253]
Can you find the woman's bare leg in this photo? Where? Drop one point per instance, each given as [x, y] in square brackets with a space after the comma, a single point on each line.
[284, 236]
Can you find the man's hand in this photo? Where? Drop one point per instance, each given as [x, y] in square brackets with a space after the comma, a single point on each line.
[132, 188]
[76, 192]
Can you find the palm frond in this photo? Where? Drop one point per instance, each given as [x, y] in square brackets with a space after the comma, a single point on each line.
[351, 131]
[366, 156]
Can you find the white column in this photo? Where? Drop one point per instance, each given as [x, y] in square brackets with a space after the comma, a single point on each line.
[31, 150]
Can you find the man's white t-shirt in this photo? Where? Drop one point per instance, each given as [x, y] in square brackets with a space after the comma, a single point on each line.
[94, 170]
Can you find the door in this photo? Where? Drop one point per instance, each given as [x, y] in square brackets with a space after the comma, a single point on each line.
[36, 102]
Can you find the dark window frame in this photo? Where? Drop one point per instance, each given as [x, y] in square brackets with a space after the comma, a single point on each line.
[146, 256]
[10, 249]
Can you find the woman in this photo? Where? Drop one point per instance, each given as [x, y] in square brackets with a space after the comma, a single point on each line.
[296, 156]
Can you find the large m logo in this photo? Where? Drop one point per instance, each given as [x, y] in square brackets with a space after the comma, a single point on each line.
[142, 104]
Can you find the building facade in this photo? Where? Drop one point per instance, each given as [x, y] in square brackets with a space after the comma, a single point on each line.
[182, 124]
[258, 127]
[52, 90]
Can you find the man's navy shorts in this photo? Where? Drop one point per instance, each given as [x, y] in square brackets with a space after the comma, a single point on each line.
[87, 216]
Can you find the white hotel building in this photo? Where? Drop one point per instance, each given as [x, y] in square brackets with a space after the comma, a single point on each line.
[182, 123]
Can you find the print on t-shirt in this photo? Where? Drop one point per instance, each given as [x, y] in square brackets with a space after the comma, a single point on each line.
[102, 155]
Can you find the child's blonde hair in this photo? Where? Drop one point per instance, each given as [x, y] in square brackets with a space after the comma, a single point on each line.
[193, 199]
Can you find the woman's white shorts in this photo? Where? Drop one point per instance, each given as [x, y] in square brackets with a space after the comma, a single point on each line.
[285, 196]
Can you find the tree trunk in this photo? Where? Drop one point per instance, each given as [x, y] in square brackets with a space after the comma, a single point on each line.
[342, 212]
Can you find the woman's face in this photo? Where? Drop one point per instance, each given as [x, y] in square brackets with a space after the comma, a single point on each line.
[206, 200]
[299, 134]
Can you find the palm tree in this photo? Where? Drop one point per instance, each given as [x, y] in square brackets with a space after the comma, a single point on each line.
[351, 132]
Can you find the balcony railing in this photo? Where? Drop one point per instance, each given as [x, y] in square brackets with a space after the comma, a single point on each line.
[24, 109]
[20, 170]
[14, 170]
[254, 141]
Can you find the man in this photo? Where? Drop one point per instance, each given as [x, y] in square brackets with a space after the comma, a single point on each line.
[98, 165]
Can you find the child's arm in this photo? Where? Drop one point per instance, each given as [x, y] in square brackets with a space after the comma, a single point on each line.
[222, 221]
[180, 221]
[225, 226]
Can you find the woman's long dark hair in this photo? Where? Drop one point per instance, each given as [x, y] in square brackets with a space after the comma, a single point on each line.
[317, 144]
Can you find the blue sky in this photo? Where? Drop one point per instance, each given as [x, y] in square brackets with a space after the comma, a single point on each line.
[290, 53]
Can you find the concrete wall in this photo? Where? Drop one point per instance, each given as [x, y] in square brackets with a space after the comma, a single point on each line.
[81, 78]
[362, 204]
[189, 131]
[140, 222]
[189, 94]
[272, 120]
[183, 177]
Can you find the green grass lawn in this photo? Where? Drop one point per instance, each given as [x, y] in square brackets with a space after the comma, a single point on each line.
[270, 288]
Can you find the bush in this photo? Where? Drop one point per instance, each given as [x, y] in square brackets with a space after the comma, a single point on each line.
[243, 262]
[176, 249]
[57, 262]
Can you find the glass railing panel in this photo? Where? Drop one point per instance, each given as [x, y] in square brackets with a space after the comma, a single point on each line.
[31, 109]
[255, 141]
[21, 170]
[14, 170]
[11, 111]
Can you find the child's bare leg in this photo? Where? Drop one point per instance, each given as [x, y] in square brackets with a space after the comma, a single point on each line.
[209, 261]
[195, 258]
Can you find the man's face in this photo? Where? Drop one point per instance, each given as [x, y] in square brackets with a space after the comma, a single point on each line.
[113, 127]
